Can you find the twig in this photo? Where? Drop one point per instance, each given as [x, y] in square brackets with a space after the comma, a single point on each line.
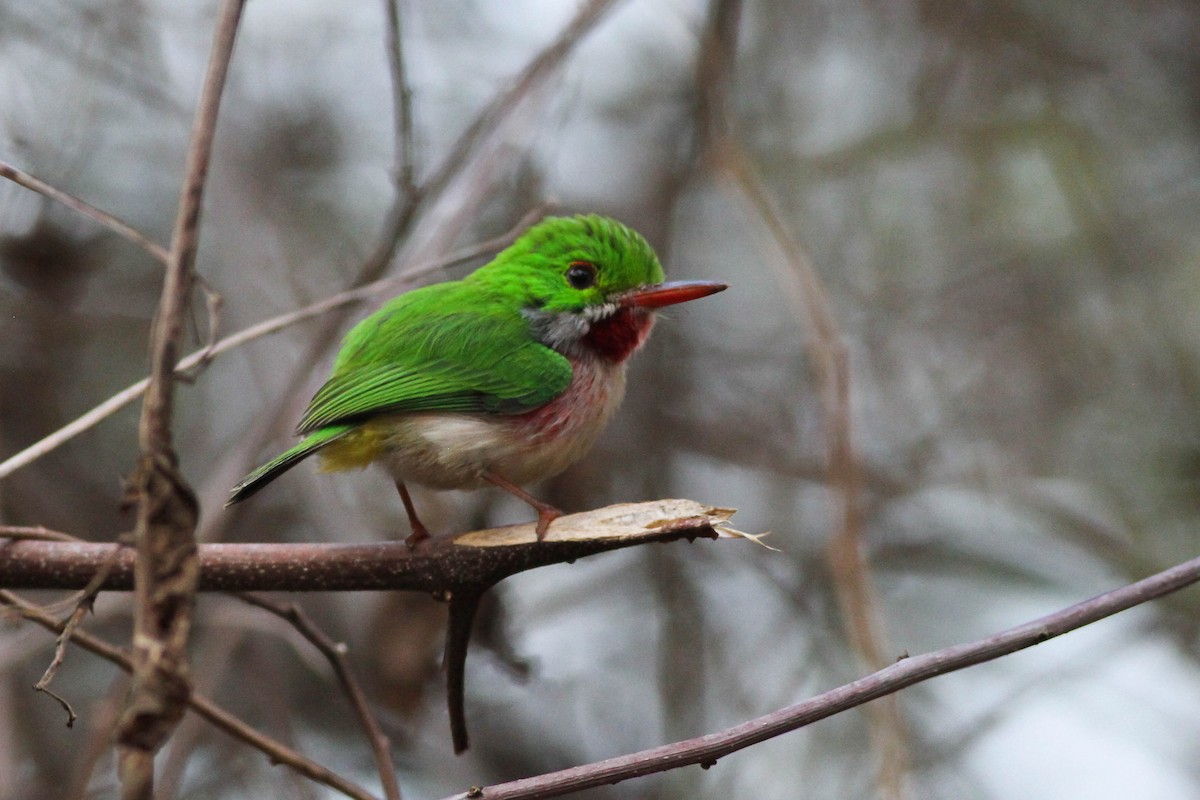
[60, 653]
[496, 112]
[34, 533]
[131, 393]
[117, 226]
[336, 655]
[705, 750]
[213, 301]
[84, 604]
[277, 752]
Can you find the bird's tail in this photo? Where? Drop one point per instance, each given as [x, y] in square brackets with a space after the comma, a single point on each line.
[285, 461]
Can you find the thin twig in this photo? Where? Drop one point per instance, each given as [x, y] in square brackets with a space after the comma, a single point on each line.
[60, 653]
[277, 752]
[117, 226]
[335, 653]
[492, 117]
[84, 603]
[705, 750]
[213, 301]
[131, 393]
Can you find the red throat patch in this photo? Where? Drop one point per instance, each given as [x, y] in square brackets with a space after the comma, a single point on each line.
[616, 337]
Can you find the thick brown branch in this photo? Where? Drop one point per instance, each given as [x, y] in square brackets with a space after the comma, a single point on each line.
[477, 560]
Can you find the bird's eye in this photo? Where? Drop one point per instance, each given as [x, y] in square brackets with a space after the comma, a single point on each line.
[581, 275]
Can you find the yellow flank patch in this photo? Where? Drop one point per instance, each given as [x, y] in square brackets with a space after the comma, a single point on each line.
[356, 450]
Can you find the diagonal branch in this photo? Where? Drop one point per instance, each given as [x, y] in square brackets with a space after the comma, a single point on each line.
[705, 750]
[117, 226]
[335, 653]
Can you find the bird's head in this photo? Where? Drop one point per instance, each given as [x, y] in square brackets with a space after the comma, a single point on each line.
[587, 284]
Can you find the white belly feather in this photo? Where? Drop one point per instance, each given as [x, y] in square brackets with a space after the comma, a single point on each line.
[452, 450]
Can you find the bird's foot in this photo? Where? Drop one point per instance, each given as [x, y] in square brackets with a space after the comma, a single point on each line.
[546, 515]
[546, 512]
[418, 535]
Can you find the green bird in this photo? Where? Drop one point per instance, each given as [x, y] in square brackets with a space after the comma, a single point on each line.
[504, 377]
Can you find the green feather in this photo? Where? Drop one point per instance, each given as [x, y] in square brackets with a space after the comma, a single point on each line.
[282, 463]
[447, 347]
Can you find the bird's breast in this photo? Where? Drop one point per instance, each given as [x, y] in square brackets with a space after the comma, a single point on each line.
[449, 450]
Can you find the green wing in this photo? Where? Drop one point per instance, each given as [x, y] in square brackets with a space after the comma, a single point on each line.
[447, 347]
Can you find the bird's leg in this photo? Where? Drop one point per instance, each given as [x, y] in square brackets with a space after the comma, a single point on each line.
[419, 532]
[546, 512]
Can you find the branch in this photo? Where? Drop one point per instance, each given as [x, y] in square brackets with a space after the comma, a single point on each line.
[402, 116]
[476, 560]
[166, 567]
[705, 750]
[117, 226]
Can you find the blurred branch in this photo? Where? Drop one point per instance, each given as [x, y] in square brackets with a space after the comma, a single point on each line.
[335, 653]
[131, 393]
[803, 287]
[166, 568]
[277, 752]
[705, 750]
[117, 226]
[401, 100]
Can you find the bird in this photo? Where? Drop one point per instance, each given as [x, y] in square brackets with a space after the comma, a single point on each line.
[505, 377]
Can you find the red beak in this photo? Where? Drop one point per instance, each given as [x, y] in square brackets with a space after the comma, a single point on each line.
[668, 294]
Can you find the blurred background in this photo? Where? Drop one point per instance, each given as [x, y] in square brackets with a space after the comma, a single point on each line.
[999, 202]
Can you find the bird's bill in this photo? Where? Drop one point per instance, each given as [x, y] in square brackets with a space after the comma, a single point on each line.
[668, 294]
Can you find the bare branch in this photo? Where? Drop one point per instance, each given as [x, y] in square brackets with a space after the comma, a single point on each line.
[457, 568]
[166, 566]
[705, 750]
[335, 653]
[60, 653]
[448, 563]
[117, 226]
